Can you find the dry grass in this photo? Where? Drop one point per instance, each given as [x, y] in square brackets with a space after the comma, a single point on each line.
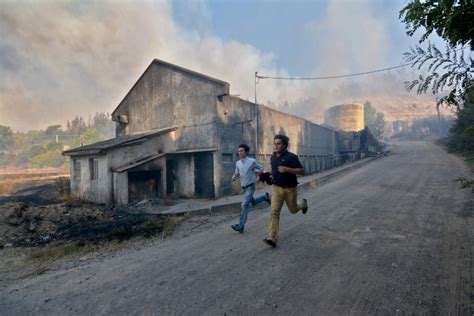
[8, 186]
[470, 161]
[63, 186]
[22, 174]
[466, 183]
[53, 253]
[42, 259]
[12, 180]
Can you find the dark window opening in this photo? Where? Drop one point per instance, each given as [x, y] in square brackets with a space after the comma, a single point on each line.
[76, 169]
[94, 168]
[143, 185]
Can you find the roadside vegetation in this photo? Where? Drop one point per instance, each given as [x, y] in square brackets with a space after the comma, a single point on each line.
[106, 240]
[43, 148]
[447, 73]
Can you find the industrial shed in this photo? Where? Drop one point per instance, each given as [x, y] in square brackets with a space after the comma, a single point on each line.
[177, 133]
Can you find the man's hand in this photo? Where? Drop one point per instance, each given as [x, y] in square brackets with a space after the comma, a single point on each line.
[282, 169]
[295, 171]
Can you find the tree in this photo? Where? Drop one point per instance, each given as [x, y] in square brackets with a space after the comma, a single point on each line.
[452, 20]
[77, 126]
[53, 130]
[6, 138]
[456, 73]
[462, 131]
[104, 124]
[374, 120]
[90, 136]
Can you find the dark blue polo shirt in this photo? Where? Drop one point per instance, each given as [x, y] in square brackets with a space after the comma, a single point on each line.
[286, 179]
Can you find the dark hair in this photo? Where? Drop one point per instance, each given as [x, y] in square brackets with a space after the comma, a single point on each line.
[284, 139]
[245, 147]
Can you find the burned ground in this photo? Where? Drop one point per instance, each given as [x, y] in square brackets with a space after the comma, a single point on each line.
[35, 216]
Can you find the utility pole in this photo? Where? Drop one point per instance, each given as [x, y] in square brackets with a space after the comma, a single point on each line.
[256, 116]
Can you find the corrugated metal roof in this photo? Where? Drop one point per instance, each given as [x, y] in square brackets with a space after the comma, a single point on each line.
[142, 160]
[196, 150]
[126, 140]
[136, 162]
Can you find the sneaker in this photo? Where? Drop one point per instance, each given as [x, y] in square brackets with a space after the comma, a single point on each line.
[304, 209]
[268, 198]
[237, 228]
[270, 242]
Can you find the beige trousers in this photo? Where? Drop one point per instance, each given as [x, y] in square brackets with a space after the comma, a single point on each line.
[280, 195]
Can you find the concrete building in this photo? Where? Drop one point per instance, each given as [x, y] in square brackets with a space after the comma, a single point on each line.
[177, 132]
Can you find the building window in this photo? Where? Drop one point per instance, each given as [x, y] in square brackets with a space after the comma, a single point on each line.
[76, 169]
[94, 168]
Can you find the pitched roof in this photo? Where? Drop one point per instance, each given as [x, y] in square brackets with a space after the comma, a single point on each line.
[122, 141]
[136, 162]
[175, 67]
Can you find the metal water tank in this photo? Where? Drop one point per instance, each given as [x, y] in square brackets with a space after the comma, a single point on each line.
[347, 117]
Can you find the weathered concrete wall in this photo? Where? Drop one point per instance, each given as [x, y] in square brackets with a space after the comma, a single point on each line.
[114, 186]
[348, 117]
[167, 96]
[97, 191]
[306, 138]
[120, 186]
[154, 145]
[235, 125]
[315, 144]
[184, 182]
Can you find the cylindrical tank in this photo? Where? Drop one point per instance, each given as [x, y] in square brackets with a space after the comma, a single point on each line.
[347, 117]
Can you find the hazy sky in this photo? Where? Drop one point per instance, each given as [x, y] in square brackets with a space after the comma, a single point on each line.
[59, 59]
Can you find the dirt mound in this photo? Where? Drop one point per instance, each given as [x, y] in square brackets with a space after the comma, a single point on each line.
[23, 224]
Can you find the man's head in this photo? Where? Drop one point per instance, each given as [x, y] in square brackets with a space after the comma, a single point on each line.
[243, 150]
[280, 143]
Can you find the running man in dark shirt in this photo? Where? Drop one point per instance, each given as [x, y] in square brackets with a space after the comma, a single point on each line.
[285, 167]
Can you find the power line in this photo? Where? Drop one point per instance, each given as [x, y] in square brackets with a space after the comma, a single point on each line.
[332, 77]
[339, 76]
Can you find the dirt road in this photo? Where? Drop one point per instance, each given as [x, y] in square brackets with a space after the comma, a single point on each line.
[395, 236]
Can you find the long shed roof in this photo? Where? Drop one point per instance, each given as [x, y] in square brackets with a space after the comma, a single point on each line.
[104, 146]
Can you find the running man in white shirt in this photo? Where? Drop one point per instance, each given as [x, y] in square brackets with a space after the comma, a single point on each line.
[247, 169]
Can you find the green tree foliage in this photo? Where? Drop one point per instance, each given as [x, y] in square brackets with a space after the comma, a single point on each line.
[36, 150]
[462, 131]
[374, 120]
[452, 20]
[6, 138]
[53, 130]
[104, 124]
[91, 136]
[455, 73]
[77, 126]
[50, 158]
[44, 149]
[431, 127]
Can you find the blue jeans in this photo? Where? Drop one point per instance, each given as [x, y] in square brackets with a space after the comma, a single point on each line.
[249, 199]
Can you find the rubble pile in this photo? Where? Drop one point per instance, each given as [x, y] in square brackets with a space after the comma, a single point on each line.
[24, 225]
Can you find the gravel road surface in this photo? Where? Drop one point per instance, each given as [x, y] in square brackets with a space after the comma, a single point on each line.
[394, 236]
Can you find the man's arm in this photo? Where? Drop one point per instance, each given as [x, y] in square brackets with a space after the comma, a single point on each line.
[257, 167]
[295, 171]
[236, 172]
[295, 167]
